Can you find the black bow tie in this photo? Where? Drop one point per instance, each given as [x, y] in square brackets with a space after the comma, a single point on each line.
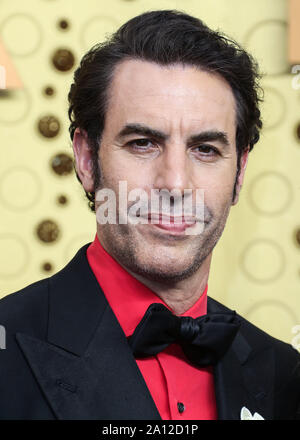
[204, 340]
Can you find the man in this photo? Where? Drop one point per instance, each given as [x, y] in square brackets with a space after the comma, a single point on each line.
[165, 104]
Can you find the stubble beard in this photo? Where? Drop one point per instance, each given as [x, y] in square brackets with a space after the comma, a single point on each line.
[119, 242]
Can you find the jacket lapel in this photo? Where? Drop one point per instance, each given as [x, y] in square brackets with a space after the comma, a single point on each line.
[85, 367]
[244, 377]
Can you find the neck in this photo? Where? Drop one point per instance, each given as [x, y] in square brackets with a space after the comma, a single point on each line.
[181, 295]
[184, 294]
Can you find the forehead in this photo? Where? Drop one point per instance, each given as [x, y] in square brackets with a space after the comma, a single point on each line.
[175, 97]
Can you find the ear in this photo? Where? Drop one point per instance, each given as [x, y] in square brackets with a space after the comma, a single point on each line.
[239, 183]
[83, 159]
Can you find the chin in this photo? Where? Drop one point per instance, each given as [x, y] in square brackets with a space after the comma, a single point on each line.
[167, 277]
[168, 272]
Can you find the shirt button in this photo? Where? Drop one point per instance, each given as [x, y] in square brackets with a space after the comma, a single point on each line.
[180, 407]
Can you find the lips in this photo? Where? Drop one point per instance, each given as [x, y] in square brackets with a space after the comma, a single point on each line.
[170, 223]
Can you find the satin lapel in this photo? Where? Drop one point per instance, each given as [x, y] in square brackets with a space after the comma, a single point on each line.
[243, 377]
[85, 368]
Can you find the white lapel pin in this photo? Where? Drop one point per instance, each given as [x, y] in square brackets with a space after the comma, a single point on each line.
[246, 415]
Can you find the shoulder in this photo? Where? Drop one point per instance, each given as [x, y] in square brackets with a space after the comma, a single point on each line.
[268, 357]
[26, 310]
[259, 339]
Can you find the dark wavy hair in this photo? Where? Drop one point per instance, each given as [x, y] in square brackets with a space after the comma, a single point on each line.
[165, 37]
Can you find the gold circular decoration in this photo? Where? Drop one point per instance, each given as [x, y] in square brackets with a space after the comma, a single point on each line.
[63, 60]
[273, 108]
[47, 267]
[96, 29]
[49, 91]
[21, 34]
[263, 261]
[297, 236]
[20, 188]
[297, 131]
[63, 24]
[270, 193]
[48, 231]
[62, 200]
[267, 41]
[49, 126]
[62, 164]
[14, 257]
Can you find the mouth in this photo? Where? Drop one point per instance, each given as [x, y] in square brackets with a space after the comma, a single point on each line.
[175, 225]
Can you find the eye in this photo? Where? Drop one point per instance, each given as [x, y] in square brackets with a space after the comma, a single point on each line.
[140, 144]
[206, 150]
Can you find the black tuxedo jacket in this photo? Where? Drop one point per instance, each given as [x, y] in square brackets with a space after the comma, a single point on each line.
[66, 357]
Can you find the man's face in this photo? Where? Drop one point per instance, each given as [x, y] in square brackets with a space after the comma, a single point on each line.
[180, 102]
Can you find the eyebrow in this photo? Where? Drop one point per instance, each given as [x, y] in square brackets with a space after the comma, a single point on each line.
[141, 129]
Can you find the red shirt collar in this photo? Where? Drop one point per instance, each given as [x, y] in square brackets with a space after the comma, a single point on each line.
[127, 296]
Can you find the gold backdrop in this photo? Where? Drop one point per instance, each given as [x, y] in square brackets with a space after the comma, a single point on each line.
[44, 213]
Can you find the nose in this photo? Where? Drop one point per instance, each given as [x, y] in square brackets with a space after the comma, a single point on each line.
[173, 170]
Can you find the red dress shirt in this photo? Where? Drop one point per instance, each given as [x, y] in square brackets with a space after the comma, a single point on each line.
[180, 390]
